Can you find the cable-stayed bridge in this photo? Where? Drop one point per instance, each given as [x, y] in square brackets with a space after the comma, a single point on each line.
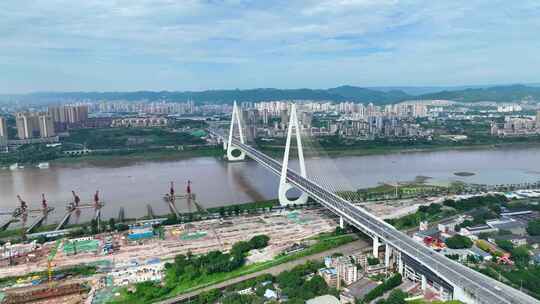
[411, 259]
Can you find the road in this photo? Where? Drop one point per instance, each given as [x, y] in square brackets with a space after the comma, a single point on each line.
[345, 249]
[479, 288]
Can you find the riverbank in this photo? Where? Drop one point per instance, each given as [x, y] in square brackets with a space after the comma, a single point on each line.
[148, 155]
[224, 211]
[277, 151]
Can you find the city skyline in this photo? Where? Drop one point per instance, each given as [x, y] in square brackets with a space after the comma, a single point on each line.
[196, 45]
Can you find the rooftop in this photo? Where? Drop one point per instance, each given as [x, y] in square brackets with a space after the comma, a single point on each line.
[478, 228]
[326, 299]
[508, 224]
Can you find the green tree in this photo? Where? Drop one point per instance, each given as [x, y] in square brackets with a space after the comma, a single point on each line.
[505, 245]
[94, 226]
[459, 242]
[259, 241]
[209, 297]
[533, 227]
[396, 297]
[520, 255]
[112, 223]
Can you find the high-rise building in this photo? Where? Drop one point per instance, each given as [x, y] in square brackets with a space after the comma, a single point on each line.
[69, 114]
[265, 117]
[27, 125]
[32, 125]
[3, 133]
[284, 117]
[58, 114]
[46, 126]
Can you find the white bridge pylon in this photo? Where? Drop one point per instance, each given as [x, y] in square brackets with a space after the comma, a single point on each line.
[235, 119]
[285, 186]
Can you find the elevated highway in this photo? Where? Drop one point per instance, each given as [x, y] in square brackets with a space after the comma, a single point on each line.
[467, 285]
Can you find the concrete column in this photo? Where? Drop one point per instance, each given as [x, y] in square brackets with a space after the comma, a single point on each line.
[376, 246]
[424, 283]
[400, 264]
[341, 222]
[387, 252]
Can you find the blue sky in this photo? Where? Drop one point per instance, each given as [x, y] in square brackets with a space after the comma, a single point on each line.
[103, 45]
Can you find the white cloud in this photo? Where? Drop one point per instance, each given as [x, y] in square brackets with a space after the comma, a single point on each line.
[240, 43]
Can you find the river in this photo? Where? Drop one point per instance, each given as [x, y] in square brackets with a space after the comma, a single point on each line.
[133, 184]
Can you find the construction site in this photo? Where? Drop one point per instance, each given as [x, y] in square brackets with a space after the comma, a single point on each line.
[146, 245]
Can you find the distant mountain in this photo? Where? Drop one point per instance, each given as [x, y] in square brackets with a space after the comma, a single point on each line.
[379, 96]
[416, 90]
[369, 95]
[508, 93]
[221, 96]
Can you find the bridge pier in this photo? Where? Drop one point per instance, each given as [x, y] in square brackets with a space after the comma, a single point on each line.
[387, 252]
[424, 283]
[341, 223]
[376, 244]
[399, 264]
[285, 186]
[235, 120]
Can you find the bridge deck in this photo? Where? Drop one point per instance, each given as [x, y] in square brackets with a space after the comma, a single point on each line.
[480, 288]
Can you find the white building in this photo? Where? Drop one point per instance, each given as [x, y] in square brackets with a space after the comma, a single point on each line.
[130, 274]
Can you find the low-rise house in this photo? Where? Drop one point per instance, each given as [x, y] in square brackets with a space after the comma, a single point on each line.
[135, 273]
[329, 275]
[517, 240]
[270, 294]
[421, 235]
[474, 231]
[514, 226]
[463, 253]
[448, 226]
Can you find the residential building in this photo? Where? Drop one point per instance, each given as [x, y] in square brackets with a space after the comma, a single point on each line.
[27, 125]
[329, 275]
[449, 225]
[3, 134]
[46, 126]
[34, 124]
[476, 230]
[346, 270]
[69, 113]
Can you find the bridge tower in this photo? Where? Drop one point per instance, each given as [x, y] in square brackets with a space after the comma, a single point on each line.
[285, 186]
[235, 120]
